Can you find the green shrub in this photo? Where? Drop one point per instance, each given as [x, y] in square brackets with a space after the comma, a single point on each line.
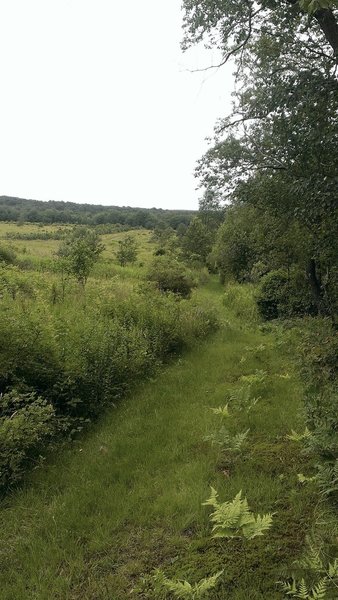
[14, 282]
[27, 421]
[170, 275]
[78, 355]
[7, 255]
[283, 295]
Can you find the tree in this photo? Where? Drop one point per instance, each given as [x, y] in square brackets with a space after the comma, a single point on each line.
[232, 25]
[127, 251]
[79, 252]
[278, 148]
[197, 240]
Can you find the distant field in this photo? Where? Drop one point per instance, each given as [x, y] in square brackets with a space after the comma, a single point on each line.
[46, 249]
[6, 227]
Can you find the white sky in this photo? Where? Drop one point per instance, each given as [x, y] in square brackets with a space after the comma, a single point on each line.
[97, 105]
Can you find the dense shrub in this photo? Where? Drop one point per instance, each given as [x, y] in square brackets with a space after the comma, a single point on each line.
[63, 362]
[14, 282]
[283, 295]
[170, 275]
[7, 255]
[27, 421]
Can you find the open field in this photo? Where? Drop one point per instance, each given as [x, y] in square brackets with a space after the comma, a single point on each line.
[37, 250]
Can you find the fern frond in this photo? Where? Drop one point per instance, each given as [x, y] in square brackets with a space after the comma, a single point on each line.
[299, 437]
[333, 569]
[312, 560]
[223, 411]
[260, 525]
[222, 438]
[184, 589]
[319, 590]
[235, 519]
[303, 479]
[180, 589]
[206, 584]
[212, 501]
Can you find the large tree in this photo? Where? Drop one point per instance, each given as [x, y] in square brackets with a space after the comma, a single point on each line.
[231, 25]
[278, 149]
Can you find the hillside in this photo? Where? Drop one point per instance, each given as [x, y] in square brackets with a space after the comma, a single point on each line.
[33, 211]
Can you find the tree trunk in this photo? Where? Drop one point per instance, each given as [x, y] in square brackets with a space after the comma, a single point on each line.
[328, 24]
[315, 285]
[329, 27]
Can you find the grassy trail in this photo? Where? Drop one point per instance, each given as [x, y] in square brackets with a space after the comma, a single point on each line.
[128, 497]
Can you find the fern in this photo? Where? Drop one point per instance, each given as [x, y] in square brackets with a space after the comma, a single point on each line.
[184, 589]
[234, 519]
[256, 377]
[299, 437]
[231, 443]
[223, 411]
[301, 590]
[312, 562]
[243, 400]
[327, 478]
[303, 479]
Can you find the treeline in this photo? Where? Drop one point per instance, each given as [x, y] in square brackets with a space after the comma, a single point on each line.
[36, 211]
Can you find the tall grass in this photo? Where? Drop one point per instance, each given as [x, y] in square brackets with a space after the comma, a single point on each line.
[239, 300]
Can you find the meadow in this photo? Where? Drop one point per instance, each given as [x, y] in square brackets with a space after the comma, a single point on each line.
[157, 399]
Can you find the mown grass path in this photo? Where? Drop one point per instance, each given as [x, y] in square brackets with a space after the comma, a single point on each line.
[128, 497]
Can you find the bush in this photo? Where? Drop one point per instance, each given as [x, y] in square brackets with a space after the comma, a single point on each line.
[14, 282]
[7, 255]
[26, 422]
[63, 363]
[170, 275]
[282, 296]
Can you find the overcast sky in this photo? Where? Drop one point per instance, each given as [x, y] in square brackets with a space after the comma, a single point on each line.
[97, 104]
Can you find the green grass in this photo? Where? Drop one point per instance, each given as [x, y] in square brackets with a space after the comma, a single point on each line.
[128, 496]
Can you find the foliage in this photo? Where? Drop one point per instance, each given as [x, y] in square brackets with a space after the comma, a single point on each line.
[274, 156]
[170, 275]
[228, 442]
[33, 211]
[326, 575]
[283, 295]
[299, 437]
[82, 353]
[243, 399]
[7, 255]
[14, 282]
[127, 250]
[223, 411]
[196, 241]
[234, 519]
[79, 252]
[27, 421]
[239, 300]
[318, 351]
[184, 589]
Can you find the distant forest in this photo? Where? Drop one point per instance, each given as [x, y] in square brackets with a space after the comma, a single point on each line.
[36, 211]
